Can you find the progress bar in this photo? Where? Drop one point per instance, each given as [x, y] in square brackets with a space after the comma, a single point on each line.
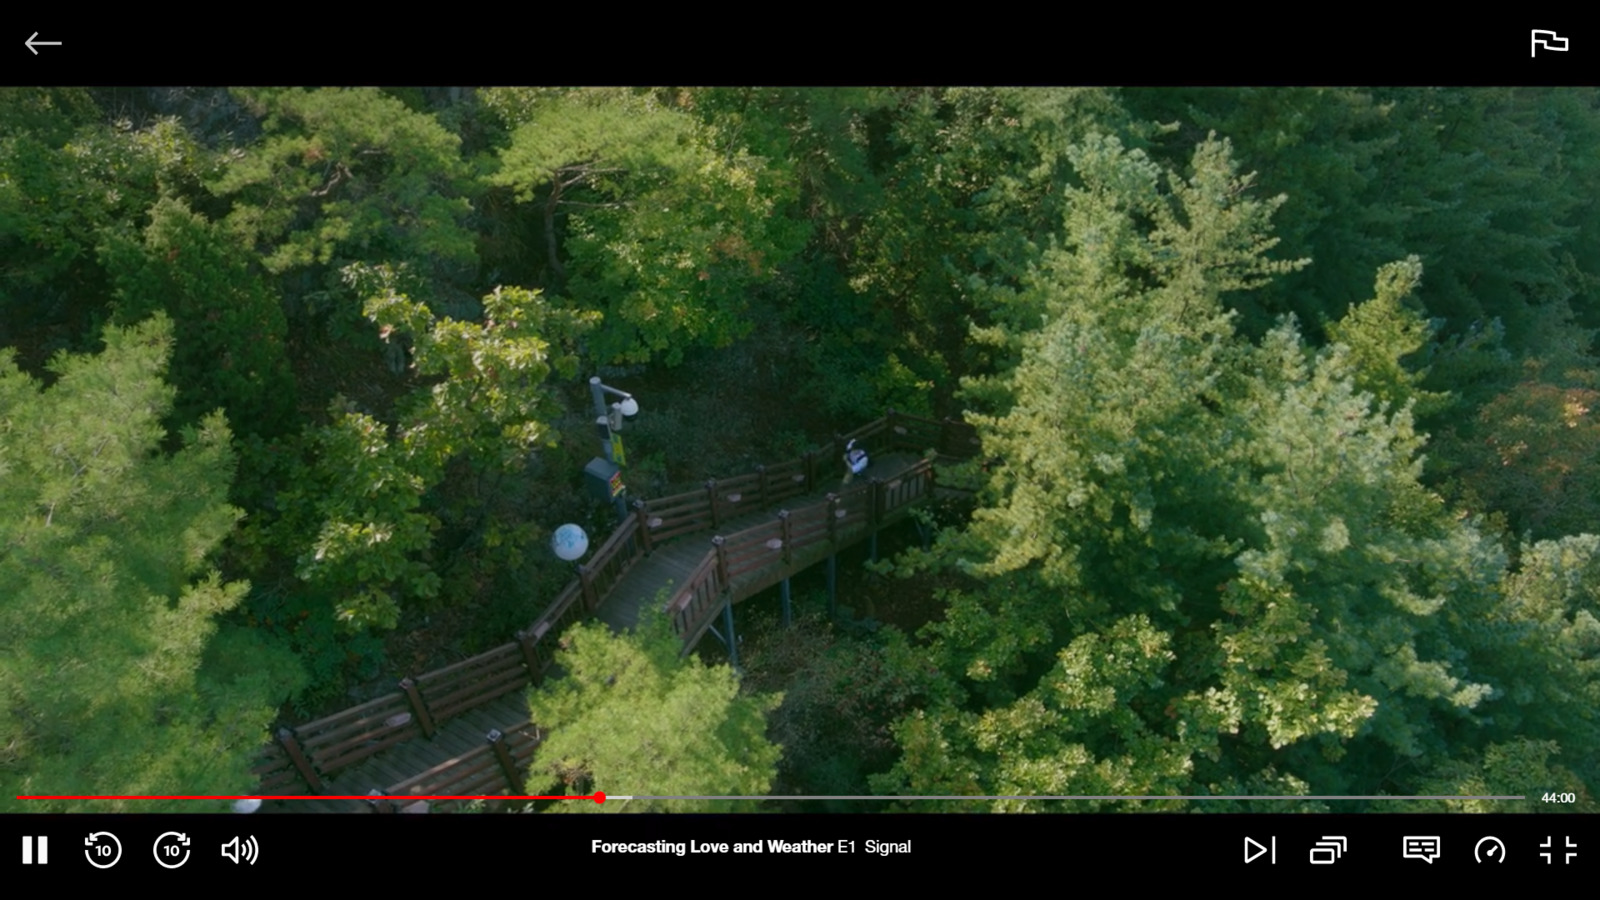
[882, 797]
[602, 797]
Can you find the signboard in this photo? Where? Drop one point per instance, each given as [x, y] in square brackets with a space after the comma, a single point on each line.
[617, 487]
[617, 455]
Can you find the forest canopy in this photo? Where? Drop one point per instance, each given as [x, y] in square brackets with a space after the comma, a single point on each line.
[1288, 404]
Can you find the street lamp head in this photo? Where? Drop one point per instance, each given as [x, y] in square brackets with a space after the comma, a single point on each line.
[569, 542]
[629, 406]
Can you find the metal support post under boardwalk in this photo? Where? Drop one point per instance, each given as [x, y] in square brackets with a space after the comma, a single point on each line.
[732, 639]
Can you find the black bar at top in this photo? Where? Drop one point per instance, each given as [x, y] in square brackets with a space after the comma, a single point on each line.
[495, 46]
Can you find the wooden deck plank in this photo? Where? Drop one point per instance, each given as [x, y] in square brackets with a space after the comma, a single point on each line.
[449, 744]
[472, 730]
[505, 719]
[384, 772]
[483, 721]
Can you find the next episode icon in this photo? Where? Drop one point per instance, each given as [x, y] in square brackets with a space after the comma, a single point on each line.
[1254, 850]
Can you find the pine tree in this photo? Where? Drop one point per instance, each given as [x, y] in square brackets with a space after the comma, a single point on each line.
[1202, 564]
[114, 676]
[631, 717]
[651, 217]
[1383, 335]
[231, 332]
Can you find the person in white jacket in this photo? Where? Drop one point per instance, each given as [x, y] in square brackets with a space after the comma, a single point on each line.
[855, 461]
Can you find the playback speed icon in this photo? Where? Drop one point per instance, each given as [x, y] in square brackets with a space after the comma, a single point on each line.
[246, 850]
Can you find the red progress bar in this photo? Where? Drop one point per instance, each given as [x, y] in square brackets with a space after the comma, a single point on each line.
[597, 796]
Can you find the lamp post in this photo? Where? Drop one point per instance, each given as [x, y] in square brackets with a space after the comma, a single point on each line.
[608, 423]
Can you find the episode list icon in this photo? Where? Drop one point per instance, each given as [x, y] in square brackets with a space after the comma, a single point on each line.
[1327, 851]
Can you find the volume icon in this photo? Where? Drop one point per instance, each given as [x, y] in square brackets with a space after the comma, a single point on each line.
[246, 850]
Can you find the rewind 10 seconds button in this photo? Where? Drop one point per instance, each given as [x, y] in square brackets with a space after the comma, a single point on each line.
[102, 849]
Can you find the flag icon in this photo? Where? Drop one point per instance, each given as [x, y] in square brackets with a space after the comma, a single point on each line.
[1548, 40]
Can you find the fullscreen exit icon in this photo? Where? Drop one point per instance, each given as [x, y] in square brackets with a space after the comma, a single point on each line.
[1549, 845]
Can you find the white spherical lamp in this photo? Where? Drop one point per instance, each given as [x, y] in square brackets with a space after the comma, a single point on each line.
[569, 542]
[629, 407]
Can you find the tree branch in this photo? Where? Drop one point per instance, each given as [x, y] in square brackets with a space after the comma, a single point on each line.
[340, 173]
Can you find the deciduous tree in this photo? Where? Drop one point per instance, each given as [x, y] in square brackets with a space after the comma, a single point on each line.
[488, 402]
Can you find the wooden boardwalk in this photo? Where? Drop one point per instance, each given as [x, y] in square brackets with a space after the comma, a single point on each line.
[403, 769]
[672, 564]
[464, 730]
[454, 741]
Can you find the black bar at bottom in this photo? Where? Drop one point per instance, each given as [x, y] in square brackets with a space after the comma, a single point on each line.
[336, 849]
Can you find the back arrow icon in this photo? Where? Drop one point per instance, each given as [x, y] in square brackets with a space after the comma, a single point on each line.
[32, 44]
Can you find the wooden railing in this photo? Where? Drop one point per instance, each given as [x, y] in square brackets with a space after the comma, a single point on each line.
[321, 749]
[277, 772]
[609, 563]
[837, 519]
[496, 767]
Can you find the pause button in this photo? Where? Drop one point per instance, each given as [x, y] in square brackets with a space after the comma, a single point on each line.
[35, 848]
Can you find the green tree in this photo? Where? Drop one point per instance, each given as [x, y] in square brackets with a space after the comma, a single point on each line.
[965, 184]
[350, 175]
[1525, 451]
[344, 174]
[668, 224]
[231, 332]
[488, 403]
[1518, 767]
[1206, 565]
[1383, 335]
[1485, 186]
[631, 717]
[65, 180]
[115, 676]
[1534, 455]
